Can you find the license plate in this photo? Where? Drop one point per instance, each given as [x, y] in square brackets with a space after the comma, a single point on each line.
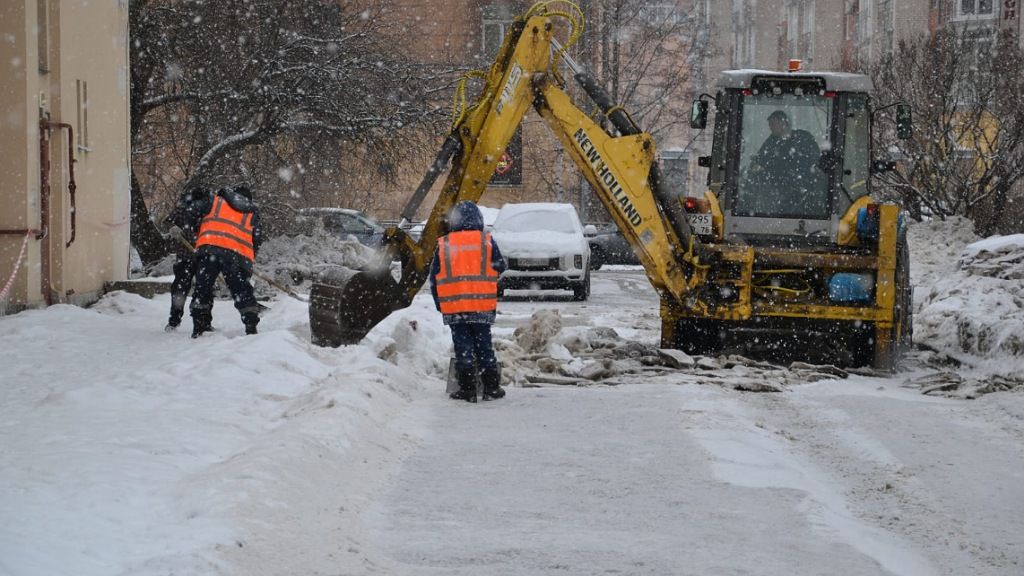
[532, 261]
[700, 223]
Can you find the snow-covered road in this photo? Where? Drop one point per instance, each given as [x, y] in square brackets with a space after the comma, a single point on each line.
[666, 476]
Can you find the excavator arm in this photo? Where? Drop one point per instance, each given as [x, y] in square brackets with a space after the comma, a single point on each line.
[620, 167]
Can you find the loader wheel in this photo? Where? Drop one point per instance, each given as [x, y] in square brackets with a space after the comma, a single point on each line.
[903, 315]
[901, 338]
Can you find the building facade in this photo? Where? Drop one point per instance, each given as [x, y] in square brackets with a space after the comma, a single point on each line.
[64, 180]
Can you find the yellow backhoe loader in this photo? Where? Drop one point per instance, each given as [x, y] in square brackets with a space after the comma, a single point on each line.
[784, 251]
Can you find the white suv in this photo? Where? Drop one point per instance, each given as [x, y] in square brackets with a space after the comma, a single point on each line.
[544, 247]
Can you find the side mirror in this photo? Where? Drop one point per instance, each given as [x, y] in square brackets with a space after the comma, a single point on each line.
[904, 122]
[590, 230]
[704, 161]
[699, 115]
[880, 166]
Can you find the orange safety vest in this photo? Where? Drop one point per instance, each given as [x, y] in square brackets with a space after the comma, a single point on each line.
[228, 228]
[466, 281]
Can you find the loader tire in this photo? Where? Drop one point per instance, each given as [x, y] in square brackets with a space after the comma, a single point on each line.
[901, 338]
[903, 315]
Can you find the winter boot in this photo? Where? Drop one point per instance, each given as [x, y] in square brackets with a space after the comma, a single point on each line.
[250, 319]
[491, 379]
[467, 387]
[198, 329]
[172, 325]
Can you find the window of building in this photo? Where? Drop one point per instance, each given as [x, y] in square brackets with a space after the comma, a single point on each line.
[82, 122]
[865, 30]
[807, 32]
[493, 36]
[792, 30]
[888, 25]
[975, 8]
[43, 34]
[661, 13]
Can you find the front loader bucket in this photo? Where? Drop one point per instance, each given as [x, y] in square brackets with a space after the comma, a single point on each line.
[345, 304]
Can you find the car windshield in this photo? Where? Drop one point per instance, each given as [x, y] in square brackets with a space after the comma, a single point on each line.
[783, 136]
[536, 221]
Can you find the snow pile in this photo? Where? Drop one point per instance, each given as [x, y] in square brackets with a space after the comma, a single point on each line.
[544, 351]
[297, 259]
[935, 247]
[969, 302]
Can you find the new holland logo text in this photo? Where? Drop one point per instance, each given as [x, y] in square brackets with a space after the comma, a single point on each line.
[605, 175]
[514, 76]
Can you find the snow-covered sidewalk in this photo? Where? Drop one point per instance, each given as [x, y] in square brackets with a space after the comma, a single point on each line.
[127, 450]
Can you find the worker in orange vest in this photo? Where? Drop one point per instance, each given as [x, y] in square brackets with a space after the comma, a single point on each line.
[229, 237]
[464, 283]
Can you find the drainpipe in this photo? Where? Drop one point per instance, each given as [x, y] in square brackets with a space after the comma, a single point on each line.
[71, 169]
[44, 209]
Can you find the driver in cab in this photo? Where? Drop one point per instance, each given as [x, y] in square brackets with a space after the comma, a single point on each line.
[785, 167]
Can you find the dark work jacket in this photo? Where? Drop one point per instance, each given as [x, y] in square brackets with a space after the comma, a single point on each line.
[187, 213]
[789, 161]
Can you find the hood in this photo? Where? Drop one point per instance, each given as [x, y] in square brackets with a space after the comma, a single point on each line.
[465, 216]
[539, 244]
[237, 199]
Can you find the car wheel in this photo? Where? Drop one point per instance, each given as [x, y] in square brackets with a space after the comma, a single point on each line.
[582, 292]
[501, 293]
[597, 257]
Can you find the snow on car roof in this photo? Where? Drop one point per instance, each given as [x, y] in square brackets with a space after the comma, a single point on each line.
[331, 210]
[510, 209]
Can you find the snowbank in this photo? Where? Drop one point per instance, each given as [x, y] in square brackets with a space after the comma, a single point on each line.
[295, 260]
[128, 450]
[969, 298]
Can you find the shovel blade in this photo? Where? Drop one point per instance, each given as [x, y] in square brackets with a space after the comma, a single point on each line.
[345, 304]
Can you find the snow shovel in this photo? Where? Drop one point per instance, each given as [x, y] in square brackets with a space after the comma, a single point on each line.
[255, 273]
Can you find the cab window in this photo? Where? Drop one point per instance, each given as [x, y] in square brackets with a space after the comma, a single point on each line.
[855, 151]
[781, 141]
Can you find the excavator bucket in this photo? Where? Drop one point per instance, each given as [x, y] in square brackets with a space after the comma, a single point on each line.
[345, 304]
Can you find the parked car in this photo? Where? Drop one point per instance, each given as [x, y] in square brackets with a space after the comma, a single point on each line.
[545, 249]
[344, 223]
[608, 246]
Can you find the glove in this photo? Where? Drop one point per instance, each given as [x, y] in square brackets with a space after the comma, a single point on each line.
[175, 232]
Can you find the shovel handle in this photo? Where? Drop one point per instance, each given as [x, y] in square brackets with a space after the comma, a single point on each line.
[255, 273]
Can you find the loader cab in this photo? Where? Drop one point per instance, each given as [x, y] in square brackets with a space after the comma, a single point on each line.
[790, 154]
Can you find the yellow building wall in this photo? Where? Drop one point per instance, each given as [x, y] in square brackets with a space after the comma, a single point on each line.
[80, 41]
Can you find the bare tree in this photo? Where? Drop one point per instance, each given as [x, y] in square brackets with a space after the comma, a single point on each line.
[304, 92]
[642, 52]
[967, 151]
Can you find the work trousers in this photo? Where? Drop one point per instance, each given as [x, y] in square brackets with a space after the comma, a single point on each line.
[473, 349]
[210, 262]
[184, 272]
